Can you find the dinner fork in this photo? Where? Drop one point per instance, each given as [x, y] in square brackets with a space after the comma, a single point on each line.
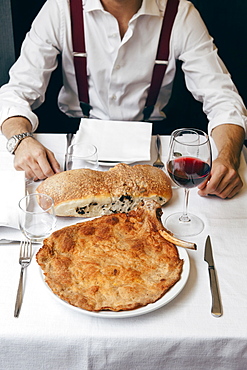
[24, 260]
[158, 163]
[69, 138]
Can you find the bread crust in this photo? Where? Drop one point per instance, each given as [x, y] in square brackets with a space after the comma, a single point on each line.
[115, 262]
[90, 193]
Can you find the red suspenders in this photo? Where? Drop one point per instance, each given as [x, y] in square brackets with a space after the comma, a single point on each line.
[80, 55]
[162, 56]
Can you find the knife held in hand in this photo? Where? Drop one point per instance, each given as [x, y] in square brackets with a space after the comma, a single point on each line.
[208, 257]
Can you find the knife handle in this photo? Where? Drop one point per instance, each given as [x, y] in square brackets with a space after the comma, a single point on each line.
[216, 304]
[69, 138]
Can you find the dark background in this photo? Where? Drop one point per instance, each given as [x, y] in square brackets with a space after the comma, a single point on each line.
[226, 21]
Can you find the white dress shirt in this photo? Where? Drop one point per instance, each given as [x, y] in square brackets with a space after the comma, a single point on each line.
[119, 70]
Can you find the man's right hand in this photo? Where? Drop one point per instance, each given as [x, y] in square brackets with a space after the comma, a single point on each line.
[37, 161]
[31, 156]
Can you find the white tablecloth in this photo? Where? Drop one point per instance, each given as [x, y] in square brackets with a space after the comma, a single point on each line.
[181, 335]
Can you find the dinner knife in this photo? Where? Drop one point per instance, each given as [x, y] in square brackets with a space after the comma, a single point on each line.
[216, 309]
[69, 138]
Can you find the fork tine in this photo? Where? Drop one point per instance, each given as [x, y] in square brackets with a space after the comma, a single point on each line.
[30, 248]
[25, 250]
[21, 247]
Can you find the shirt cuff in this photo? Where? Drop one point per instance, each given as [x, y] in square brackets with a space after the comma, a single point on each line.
[17, 112]
[228, 119]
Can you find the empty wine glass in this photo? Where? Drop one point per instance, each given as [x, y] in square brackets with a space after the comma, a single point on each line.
[188, 164]
[82, 155]
[37, 218]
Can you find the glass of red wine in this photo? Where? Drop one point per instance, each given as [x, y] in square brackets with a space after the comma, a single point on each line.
[188, 164]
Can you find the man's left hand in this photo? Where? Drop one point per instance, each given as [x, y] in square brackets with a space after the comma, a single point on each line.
[224, 181]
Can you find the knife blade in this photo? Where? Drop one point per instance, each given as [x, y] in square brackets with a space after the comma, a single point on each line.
[216, 309]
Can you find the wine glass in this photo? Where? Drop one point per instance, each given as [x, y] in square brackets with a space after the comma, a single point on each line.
[188, 164]
[173, 184]
[82, 155]
[37, 218]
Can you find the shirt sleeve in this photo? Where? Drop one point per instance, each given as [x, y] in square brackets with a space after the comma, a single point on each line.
[206, 76]
[30, 74]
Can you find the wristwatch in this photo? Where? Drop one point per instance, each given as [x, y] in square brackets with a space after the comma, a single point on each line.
[15, 140]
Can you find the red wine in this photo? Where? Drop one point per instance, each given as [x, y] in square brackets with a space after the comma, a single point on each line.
[188, 172]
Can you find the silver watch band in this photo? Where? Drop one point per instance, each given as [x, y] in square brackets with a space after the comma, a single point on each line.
[24, 135]
[15, 140]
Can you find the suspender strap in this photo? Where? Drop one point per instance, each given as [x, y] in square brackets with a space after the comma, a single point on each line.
[79, 53]
[162, 56]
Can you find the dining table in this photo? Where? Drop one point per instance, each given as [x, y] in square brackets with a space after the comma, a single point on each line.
[181, 333]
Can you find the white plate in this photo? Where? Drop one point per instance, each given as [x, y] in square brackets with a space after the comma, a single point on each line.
[111, 163]
[168, 297]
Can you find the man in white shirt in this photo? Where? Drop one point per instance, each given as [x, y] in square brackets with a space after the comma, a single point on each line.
[121, 43]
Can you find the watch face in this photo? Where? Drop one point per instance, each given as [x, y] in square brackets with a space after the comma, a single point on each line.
[11, 144]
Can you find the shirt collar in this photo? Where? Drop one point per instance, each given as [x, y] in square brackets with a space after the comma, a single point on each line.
[149, 7]
[90, 5]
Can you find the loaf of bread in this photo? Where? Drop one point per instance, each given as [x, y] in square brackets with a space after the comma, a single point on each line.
[90, 193]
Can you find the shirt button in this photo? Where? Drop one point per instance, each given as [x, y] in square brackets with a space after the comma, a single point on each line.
[117, 66]
[113, 35]
[113, 97]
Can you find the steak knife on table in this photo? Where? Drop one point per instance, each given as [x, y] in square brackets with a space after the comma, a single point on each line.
[216, 309]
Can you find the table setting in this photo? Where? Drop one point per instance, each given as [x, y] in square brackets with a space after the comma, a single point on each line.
[188, 328]
[8, 212]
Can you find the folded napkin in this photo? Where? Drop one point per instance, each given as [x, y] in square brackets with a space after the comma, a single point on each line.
[117, 141]
[9, 235]
[6, 159]
[12, 189]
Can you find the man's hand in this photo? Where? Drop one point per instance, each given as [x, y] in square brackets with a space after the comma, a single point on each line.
[30, 156]
[223, 182]
[37, 161]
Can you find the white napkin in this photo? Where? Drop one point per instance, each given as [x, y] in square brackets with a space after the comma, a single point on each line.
[12, 189]
[118, 141]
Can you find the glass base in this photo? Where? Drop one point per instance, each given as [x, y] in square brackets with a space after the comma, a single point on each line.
[184, 228]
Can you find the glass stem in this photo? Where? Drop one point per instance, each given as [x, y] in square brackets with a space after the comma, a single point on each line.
[185, 217]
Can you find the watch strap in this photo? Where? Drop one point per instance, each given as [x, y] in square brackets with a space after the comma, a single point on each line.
[23, 135]
[18, 138]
